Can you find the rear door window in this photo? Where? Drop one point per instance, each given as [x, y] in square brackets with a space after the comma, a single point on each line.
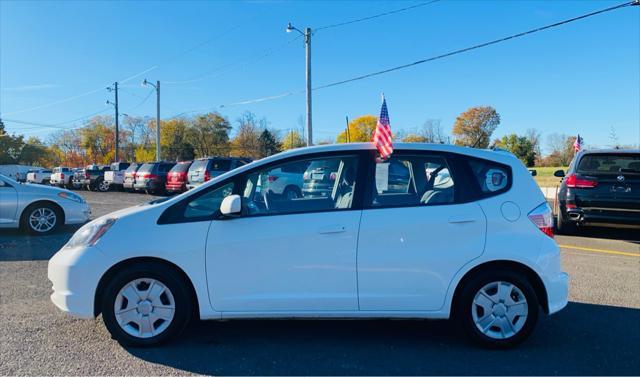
[412, 180]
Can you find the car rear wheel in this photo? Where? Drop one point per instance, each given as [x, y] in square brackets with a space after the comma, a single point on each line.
[41, 218]
[291, 193]
[146, 304]
[498, 309]
[565, 227]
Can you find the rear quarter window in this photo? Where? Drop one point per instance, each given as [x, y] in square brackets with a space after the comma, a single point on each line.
[492, 178]
[220, 165]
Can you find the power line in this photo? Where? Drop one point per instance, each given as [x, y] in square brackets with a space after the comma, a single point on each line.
[55, 125]
[437, 57]
[475, 47]
[376, 15]
[240, 62]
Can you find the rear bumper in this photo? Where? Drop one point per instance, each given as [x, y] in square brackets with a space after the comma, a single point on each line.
[602, 216]
[558, 292]
[128, 184]
[176, 187]
[150, 185]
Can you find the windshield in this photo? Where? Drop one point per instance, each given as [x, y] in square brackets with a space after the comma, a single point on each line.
[131, 168]
[198, 165]
[8, 179]
[146, 168]
[609, 163]
[180, 168]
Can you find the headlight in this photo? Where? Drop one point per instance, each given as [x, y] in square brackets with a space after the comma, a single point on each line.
[89, 234]
[71, 196]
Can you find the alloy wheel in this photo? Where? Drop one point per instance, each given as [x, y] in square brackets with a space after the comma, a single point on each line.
[42, 219]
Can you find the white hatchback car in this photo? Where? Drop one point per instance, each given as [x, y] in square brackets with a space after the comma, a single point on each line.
[479, 248]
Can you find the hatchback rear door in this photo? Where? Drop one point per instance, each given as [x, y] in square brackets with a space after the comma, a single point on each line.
[616, 183]
[415, 233]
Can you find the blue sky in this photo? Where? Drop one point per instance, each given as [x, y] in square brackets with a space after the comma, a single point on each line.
[582, 77]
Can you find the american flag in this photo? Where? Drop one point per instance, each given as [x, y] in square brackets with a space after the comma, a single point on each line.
[577, 145]
[382, 135]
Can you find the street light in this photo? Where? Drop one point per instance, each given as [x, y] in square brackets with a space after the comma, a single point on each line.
[157, 87]
[307, 43]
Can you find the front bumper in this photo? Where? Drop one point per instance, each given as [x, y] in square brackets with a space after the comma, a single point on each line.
[76, 213]
[75, 274]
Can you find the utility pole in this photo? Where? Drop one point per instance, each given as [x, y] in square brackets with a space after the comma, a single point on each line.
[157, 87]
[307, 44]
[158, 121]
[115, 105]
[348, 134]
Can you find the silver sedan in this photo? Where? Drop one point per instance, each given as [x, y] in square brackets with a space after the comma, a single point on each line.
[39, 209]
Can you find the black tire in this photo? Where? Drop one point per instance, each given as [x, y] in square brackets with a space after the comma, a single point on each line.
[26, 214]
[291, 192]
[102, 186]
[565, 227]
[464, 307]
[170, 279]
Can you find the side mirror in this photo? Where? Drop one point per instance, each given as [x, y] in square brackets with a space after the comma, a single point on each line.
[533, 172]
[231, 205]
[558, 173]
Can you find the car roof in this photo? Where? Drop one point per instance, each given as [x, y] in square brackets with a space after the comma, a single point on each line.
[609, 151]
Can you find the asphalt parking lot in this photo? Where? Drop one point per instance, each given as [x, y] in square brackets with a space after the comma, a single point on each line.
[598, 333]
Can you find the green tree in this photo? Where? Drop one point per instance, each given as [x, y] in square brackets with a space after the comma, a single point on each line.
[10, 147]
[360, 130]
[268, 143]
[520, 146]
[475, 126]
[209, 135]
[34, 152]
[173, 139]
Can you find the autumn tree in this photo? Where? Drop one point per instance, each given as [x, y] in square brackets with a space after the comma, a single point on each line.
[291, 140]
[475, 126]
[414, 138]
[246, 141]
[360, 130]
[97, 137]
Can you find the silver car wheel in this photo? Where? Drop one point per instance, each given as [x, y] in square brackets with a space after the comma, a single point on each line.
[499, 310]
[144, 308]
[42, 219]
[103, 186]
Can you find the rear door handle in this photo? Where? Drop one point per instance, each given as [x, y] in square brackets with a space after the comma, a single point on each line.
[330, 229]
[461, 220]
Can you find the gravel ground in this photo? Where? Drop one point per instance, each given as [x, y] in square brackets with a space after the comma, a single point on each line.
[598, 333]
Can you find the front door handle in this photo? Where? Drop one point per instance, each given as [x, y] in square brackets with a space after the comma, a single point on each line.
[330, 229]
[461, 220]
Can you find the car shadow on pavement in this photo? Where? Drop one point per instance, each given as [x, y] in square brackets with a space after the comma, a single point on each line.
[15, 245]
[582, 339]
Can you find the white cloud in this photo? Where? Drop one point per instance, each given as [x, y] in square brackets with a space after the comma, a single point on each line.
[28, 88]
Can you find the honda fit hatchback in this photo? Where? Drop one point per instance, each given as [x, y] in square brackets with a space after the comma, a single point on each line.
[468, 235]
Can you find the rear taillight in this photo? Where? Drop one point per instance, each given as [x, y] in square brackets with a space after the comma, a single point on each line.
[574, 181]
[273, 178]
[86, 175]
[61, 175]
[542, 217]
[207, 175]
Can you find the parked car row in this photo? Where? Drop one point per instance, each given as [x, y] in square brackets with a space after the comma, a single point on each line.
[161, 177]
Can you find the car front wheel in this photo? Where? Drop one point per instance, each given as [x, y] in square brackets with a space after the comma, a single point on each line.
[41, 218]
[145, 305]
[498, 309]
